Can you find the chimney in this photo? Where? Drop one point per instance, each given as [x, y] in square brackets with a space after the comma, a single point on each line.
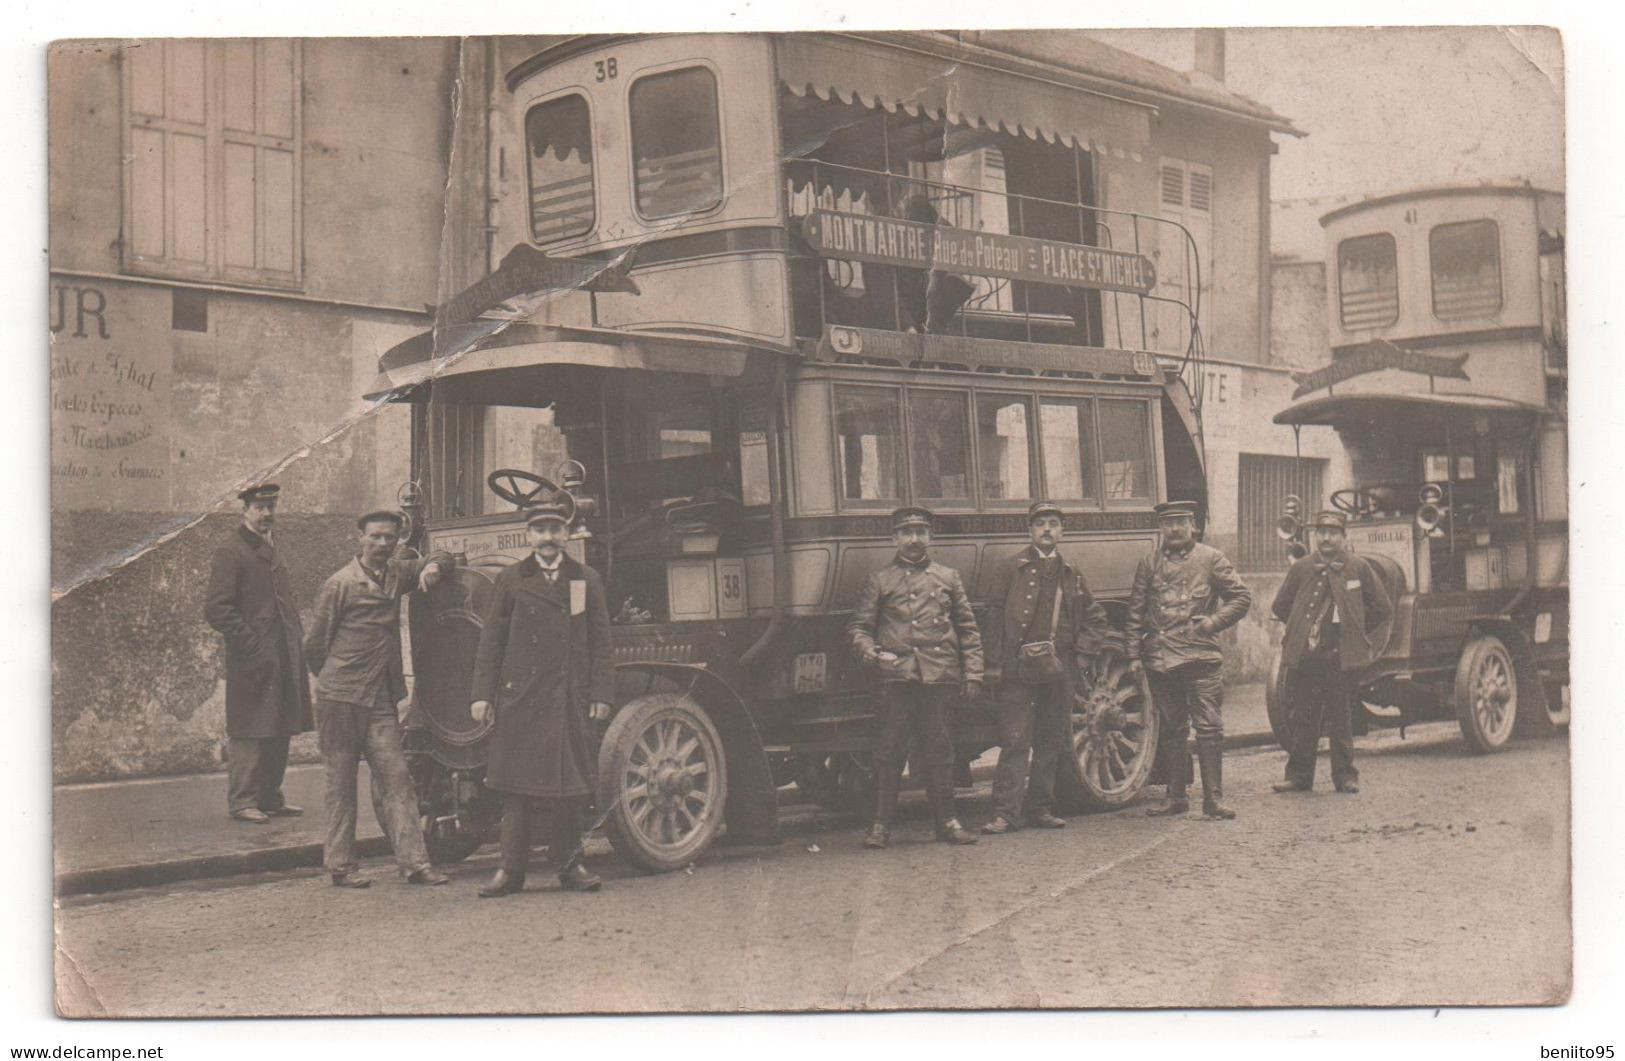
[1209, 57]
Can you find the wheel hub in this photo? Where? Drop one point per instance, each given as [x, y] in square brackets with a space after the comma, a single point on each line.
[1108, 718]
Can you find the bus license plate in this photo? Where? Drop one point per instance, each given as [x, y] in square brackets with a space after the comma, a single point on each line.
[810, 670]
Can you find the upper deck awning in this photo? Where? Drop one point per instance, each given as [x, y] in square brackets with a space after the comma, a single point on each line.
[1343, 410]
[892, 77]
[499, 350]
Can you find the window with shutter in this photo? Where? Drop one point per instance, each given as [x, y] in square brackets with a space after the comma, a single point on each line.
[1184, 266]
[211, 133]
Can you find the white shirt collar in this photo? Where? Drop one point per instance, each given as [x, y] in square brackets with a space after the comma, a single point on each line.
[544, 565]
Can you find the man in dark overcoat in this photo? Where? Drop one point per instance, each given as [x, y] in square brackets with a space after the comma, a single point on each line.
[543, 666]
[267, 690]
[1038, 598]
[1336, 609]
[1185, 594]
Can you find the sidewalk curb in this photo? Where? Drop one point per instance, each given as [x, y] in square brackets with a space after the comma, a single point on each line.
[303, 856]
[203, 867]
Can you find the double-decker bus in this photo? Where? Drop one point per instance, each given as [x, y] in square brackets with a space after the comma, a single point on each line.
[760, 292]
[1448, 387]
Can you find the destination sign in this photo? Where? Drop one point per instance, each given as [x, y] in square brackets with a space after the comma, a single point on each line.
[912, 245]
[1379, 356]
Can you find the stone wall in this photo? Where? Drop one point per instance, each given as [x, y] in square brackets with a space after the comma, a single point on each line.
[138, 678]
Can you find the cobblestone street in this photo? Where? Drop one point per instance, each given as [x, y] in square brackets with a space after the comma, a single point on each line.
[1444, 882]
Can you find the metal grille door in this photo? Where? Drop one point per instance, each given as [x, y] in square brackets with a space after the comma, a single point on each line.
[1265, 483]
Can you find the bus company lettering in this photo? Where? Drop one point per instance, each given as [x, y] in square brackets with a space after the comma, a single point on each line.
[910, 244]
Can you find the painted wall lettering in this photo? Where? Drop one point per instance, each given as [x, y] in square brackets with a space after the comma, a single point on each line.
[109, 401]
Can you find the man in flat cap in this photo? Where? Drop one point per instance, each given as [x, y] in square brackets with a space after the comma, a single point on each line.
[1336, 611]
[250, 601]
[354, 649]
[913, 623]
[544, 667]
[1044, 627]
[1186, 593]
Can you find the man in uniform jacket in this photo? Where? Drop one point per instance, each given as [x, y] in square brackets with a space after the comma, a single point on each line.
[354, 649]
[1336, 610]
[1038, 597]
[1186, 593]
[543, 666]
[913, 623]
[250, 603]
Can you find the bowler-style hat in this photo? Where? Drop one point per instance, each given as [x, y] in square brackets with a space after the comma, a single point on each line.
[1044, 508]
[1176, 508]
[262, 492]
[1330, 518]
[911, 516]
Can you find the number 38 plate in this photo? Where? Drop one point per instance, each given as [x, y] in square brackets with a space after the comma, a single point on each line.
[809, 674]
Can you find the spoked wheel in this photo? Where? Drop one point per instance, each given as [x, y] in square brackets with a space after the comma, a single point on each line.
[663, 780]
[1486, 693]
[1114, 737]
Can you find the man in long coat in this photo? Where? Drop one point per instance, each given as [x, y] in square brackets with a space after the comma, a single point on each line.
[267, 690]
[544, 666]
[1336, 609]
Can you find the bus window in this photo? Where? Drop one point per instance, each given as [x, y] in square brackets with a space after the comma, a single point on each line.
[754, 488]
[940, 445]
[1125, 449]
[867, 431]
[1466, 265]
[1070, 463]
[674, 431]
[559, 135]
[1367, 281]
[1004, 437]
[676, 142]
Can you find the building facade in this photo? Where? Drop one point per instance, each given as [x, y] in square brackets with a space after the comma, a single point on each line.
[239, 229]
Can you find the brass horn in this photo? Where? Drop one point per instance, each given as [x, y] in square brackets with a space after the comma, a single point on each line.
[1431, 514]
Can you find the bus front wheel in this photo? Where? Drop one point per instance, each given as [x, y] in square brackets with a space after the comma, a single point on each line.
[662, 781]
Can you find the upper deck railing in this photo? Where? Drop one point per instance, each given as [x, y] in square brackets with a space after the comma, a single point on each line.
[830, 290]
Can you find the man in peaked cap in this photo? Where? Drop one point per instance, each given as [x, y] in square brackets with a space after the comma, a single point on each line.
[250, 602]
[913, 623]
[1186, 593]
[1038, 598]
[543, 666]
[354, 649]
[1336, 609]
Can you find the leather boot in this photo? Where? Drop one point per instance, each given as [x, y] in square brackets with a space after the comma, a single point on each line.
[951, 832]
[879, 836]
[575, 877]
[1211, 753]
[888, 780]
[503, 883]
[1173, 765]
[939, 790]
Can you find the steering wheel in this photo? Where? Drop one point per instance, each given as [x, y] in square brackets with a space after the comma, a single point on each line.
[1357, 501]
[508, 484]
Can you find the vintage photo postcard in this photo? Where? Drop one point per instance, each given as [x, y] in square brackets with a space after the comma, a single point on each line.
[821, 521]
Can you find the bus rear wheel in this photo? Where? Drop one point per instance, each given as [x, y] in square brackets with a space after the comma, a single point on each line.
[1486, 694]
[662, 781]
[1114, 739]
